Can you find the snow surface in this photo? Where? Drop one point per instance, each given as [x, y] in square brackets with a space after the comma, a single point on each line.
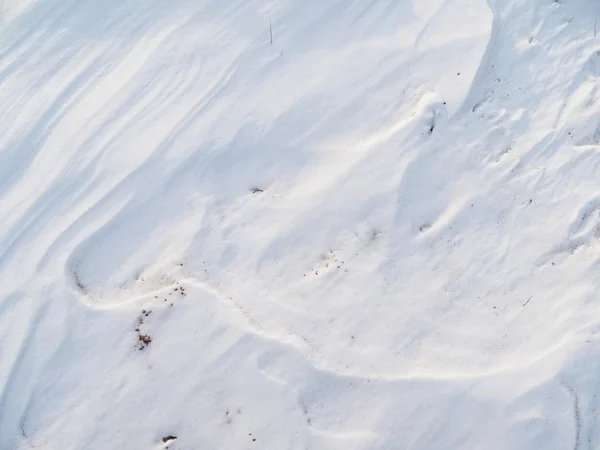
[381, 231]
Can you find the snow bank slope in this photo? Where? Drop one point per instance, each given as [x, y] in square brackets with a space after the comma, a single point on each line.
[379, 231]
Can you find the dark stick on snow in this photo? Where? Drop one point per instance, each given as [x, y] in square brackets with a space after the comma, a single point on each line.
[271, 30]
[530, 297]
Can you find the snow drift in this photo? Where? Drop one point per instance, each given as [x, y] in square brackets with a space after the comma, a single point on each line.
[379, 231]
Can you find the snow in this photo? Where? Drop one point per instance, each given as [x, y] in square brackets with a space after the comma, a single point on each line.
[381, 231]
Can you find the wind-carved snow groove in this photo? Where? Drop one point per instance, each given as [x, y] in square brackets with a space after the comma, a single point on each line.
[576, 416]
[15, 395]
[584, 231]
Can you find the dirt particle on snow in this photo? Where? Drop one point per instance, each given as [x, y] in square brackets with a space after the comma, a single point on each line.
[80, 285]
[423, 228]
